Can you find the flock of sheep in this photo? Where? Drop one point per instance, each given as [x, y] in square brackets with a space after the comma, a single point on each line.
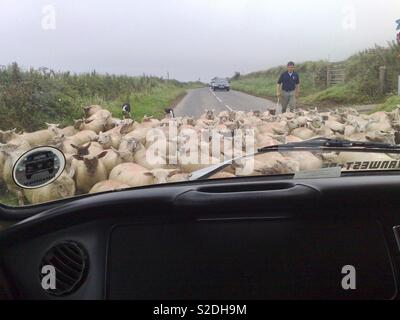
[105, 153]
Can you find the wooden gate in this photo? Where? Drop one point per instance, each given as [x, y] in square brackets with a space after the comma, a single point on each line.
[335, 74]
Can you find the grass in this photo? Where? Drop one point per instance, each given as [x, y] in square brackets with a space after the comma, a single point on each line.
[345, 94]
[362, 79]
[29, 98]
[390, 104]
[151, 102]
[264, 85]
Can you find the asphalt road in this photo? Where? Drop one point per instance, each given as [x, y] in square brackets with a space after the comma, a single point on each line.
[198, 100]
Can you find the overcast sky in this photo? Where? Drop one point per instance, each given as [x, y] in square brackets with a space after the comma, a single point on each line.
[190, 39]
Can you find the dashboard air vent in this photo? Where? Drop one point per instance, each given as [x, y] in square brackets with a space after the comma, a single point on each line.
[69, 263]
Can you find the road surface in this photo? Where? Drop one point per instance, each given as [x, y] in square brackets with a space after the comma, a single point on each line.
[198, 100]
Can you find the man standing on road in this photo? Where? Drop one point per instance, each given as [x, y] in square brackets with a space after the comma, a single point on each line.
[288, 88]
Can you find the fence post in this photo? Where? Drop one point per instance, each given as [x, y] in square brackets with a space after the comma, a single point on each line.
[398, 86]
[328, 76]
[382, 79]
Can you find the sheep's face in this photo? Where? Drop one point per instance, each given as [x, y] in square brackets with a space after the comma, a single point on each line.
[58, 140]
[190, 121]
[86, 110]
[81, 150]
[53, 127]
[161, 175]
[223, 119]
[292, 124]
[8, 148]
[210, 114]
[104, 138]
[7, 135]
[90, 110]
[127, 127]
[132, 145]
[232, 115]
[79, 124]
[316, 123]
[91, 161]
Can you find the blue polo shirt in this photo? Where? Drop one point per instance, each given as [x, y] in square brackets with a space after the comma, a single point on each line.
[289, 82]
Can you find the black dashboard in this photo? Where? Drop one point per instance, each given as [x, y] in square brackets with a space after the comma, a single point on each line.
[247, 238]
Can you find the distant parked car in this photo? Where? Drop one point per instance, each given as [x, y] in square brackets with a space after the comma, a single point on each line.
[221, 84]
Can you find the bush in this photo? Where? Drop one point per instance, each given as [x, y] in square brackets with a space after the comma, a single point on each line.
[30, 98]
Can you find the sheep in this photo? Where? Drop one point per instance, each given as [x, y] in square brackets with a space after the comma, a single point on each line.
[84, 136]
[208, 115]
[306, 160]
[67, 131]
[12, 153]
[38, 138]
[131, 174]
[5, 151]
[270, 163]
[222, 175]
[95, 125]
[381, 136]
[149, 122]
[127, 126]
[62, 187]
[127, 149]
[303, 133]
[108, 185]
[89, 148]
[288, 166]
[101, 120]
[153, 151]
[161, 175]
[112, 159]
[335, 126]
[139, 134]
[64, 143]
[108, 140]
[91, 110]
[151, 158]
[379, 125]
[131, 149]
[89, 171]
[179, 177]
[6, 136]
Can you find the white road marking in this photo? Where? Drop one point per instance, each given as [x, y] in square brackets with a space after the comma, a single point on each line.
[220, 100]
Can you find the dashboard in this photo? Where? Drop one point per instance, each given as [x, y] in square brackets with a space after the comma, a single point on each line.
[246, 238]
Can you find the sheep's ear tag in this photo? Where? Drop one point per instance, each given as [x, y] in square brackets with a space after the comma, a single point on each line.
[38, 167]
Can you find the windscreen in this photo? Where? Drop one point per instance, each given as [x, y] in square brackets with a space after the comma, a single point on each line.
[99, 96]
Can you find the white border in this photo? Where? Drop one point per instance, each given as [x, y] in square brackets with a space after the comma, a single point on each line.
[56, 151]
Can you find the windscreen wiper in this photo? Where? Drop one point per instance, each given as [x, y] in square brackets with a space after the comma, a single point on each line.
[317, 144]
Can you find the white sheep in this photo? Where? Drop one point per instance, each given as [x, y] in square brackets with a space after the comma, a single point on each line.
[131, 174]
[108, 139]
[108, 185]
[62, 187]
[89, 170]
